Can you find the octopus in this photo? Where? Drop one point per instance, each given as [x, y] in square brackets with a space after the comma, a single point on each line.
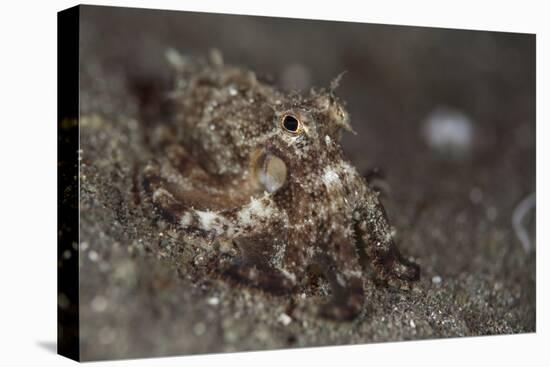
[262, 175]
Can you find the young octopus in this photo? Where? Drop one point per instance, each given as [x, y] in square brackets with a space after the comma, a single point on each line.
[263, 173]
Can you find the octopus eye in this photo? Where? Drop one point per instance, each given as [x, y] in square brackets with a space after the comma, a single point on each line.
[291, 124]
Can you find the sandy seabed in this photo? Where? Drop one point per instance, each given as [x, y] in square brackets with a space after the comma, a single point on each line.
[449, 117]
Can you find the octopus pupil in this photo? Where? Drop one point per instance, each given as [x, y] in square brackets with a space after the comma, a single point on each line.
[290, 123]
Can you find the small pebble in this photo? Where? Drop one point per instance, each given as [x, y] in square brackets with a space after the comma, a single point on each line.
[213, 301]
[93, 256]
[436, 279]
[233, 91]
[198, 260]
[99, 304]
[231, 336]
[284, 319]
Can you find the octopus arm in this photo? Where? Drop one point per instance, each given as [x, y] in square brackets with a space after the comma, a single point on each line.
[229, 223]
[375, 237]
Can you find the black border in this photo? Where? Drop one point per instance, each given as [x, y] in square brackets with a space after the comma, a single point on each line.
[68, 34]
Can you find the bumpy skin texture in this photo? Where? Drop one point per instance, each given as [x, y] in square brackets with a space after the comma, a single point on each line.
[263, 174]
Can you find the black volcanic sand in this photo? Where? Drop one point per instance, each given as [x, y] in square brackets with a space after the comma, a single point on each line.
[144, 291]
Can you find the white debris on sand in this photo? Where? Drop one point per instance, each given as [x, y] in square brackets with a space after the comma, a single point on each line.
[449, 132]
[213, 301]
[99, 304]
[284, 319]
[520, 212]
[93, 256]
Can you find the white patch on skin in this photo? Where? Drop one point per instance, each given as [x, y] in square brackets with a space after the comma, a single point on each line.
[290, 140]
[277, 259]
[348, 168]
[208, 219]
[349, 232]
[311, 252]
[160, 193]
[330, 177]
[186, 219]
[353, 273]
[288, 274]
[256, 208]
[231, 231]
[340, 279]
[173, 176]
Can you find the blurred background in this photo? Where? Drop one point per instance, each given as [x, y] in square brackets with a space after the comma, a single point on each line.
[448, 116]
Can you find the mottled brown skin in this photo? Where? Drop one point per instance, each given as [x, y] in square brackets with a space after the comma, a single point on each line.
[287, 202]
